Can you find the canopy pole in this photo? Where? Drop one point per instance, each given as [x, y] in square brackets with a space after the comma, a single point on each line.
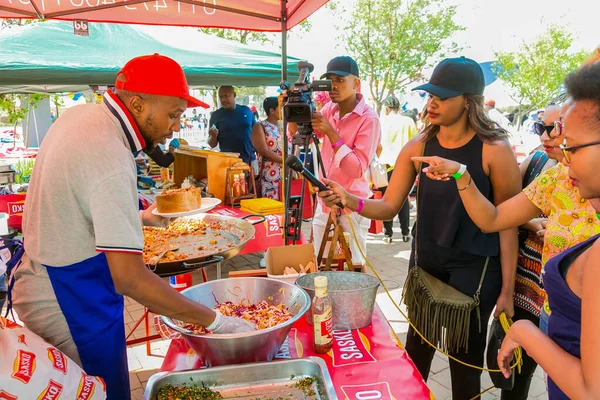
[284, 141]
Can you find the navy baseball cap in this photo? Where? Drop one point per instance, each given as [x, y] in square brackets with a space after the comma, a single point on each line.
[453, 77]
[342, 66]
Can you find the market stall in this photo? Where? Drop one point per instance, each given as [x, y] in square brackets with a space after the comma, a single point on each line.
[368, 359]
[366, 363]
[73, 63]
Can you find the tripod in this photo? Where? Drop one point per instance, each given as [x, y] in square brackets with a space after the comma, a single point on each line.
[295, 204]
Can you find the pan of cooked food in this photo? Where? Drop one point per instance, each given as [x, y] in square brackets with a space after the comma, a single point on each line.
[195, 241]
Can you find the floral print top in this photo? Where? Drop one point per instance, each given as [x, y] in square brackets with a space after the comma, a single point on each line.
[571, 218]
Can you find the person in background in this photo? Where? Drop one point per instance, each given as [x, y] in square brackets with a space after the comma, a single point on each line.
[448, 245]
[529, 293]
[351, 134]
[396, 131]
[410, 114]
[267, 141]
[570, 352]
[165, 159]
[496, 115]
[233, 127]
[254, 112]
[320, 99]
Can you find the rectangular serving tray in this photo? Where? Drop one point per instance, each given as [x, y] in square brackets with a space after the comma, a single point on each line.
[264, 380]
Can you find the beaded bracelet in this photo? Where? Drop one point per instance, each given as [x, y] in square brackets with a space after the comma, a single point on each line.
[337, 144]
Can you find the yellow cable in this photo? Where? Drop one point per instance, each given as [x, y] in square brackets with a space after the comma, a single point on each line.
[482, 393]
[506, 322]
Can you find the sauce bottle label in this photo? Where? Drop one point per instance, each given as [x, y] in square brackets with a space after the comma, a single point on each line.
[323, 328]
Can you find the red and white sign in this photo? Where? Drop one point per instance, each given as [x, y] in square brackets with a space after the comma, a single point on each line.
[370, 391]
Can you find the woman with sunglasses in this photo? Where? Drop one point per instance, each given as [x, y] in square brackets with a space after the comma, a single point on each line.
[529, 295]
[447, 244]
[570, 354]
[571, 218]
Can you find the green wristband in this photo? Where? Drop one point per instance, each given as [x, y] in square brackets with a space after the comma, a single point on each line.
[461, 171]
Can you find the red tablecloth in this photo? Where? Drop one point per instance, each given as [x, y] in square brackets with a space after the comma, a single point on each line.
[365, 363]
[267, 234]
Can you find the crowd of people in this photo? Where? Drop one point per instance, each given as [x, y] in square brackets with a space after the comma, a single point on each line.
[511, 239]
[472, 197]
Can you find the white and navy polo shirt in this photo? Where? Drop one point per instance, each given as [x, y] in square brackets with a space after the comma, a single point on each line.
[82, 198]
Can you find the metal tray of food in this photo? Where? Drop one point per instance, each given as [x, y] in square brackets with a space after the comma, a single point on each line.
[297, 379]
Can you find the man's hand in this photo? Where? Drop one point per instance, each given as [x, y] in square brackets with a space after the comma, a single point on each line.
[213, 131]
[224, 324]
[149, 219]
[322, 125]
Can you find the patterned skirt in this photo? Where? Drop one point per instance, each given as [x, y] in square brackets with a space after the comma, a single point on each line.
[529, 288]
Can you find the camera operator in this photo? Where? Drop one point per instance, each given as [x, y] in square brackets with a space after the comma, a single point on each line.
[351, 133]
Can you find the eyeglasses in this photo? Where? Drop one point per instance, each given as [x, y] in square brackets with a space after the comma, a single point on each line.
[539, 128]
[568, 150]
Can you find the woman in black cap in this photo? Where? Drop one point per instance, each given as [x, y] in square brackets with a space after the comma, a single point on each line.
[448, 246]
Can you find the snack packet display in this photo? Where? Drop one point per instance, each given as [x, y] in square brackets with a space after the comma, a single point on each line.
[30, 368]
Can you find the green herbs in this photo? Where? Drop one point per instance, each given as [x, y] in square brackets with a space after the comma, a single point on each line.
[23, 167]
[306, 385]
[183, 392]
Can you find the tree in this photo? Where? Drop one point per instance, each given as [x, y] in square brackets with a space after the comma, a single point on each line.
[535, 72]
[246, 37]
[256, 95]
[16, 107]
[394, 40]
[249, 37]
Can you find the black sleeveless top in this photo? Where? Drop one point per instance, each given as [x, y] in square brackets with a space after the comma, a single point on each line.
[442, 218]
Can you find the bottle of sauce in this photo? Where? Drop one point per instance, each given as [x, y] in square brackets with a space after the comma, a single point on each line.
[244, 183]
[322, 319]
[237, 186]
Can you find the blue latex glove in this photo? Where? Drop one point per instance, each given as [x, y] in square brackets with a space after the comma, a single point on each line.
[175, 143]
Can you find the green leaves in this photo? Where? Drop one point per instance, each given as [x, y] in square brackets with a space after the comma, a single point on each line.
[394, 40]
[537, 70]
[17, 105]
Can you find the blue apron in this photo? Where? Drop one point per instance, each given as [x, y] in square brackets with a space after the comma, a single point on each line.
[94, 313]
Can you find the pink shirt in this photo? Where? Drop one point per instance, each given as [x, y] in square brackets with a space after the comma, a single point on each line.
[361, 133]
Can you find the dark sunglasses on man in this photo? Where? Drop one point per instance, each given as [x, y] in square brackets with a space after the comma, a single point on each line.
[539, 128]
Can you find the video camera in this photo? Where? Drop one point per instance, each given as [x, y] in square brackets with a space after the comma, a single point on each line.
[299, 107]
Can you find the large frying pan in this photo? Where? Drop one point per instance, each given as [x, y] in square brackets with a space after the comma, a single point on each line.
[231, 239]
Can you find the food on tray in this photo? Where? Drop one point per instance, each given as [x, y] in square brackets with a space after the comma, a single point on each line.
[184, 392]
[193, 238]
[261, 314]
[310, 267]
[179, 200]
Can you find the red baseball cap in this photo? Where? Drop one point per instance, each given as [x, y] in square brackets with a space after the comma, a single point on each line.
[157, 75]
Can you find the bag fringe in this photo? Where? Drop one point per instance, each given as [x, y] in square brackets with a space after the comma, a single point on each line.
[444, 324]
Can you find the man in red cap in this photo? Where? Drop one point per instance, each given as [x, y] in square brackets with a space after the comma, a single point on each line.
[495, 115]
[83, 232]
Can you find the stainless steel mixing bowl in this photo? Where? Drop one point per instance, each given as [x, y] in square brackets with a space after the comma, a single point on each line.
[261, 345]
[352, 297]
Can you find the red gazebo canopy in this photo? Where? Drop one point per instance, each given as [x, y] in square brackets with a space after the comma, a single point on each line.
[256, 15]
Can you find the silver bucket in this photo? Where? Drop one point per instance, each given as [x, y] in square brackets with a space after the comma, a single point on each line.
[352, 295]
